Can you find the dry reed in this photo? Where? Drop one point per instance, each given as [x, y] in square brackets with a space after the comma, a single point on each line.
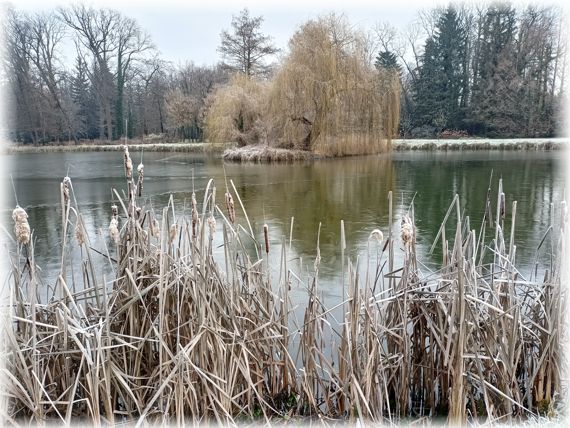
[182, 338]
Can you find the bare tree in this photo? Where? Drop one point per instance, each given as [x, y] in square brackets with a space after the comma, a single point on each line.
[97, 31]
[46, 34]
[131, 42]
[25, 115]
[245, 49]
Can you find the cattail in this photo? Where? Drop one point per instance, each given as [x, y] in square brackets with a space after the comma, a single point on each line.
[503, 206]
[79, 234]
[377, 235]
[212, 226]
[128, 163]
[266, 237]
[407, 230]
[114, 210]
[21, 225]
[154, 228]
[114, 230]
[65, 187]
[173, 232]
[230, 206]
[140, 170]
[194, 215]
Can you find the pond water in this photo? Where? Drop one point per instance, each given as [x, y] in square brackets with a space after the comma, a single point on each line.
[352, 189]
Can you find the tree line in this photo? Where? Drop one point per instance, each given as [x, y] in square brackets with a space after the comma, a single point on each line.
[489, 70]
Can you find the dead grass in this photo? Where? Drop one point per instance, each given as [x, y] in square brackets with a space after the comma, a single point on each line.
[266, 154]
[147, 147]
[180, 338]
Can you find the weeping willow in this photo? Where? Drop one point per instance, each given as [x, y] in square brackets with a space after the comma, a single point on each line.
[328, 98]
[235, 112]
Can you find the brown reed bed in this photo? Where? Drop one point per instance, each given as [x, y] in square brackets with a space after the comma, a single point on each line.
[180, 338]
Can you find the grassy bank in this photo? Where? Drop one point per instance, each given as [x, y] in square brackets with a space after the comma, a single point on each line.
[268, 154]
[9, 148]
[481, 144]
[179, 337]
[257, 153]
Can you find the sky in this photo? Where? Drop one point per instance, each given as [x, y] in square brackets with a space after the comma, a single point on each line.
[190, 30]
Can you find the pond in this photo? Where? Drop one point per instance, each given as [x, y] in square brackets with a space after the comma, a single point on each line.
[354, 190]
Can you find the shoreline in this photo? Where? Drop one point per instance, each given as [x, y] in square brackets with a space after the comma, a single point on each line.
[270, 154]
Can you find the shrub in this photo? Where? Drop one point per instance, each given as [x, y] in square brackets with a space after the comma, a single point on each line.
[235, 112]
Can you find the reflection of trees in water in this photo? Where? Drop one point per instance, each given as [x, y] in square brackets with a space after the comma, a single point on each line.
[534, 183]
[354, 190]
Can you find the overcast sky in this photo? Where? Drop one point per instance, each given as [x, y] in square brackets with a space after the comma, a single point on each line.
[190, 30]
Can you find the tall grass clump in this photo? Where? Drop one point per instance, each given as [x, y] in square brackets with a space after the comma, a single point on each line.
[179, 335]
[236, 112]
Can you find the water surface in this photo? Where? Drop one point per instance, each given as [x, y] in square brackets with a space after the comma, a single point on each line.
[352, 189]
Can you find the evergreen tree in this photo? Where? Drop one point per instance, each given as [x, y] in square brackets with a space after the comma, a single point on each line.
[387, 60]
[495, 108]
[440, 91]
[450, 41]
[428, 87]
[80, 89]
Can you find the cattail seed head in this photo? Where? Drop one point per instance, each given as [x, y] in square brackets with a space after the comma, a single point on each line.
[79, 234]
[65, 187]
[266, 237]
[503, 208]
[114, 230]
[21, 225]
[212, 226]
[140, 170]
[377, 235]
[173, 233]
[154, 228]
[231, 208]
[407, 230]
[128, 163]
[194, 215]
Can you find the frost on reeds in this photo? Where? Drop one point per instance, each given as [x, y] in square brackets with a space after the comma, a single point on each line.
[180, 337]
[21, 225]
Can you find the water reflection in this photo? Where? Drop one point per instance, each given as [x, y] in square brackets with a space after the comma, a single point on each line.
[354, 190]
